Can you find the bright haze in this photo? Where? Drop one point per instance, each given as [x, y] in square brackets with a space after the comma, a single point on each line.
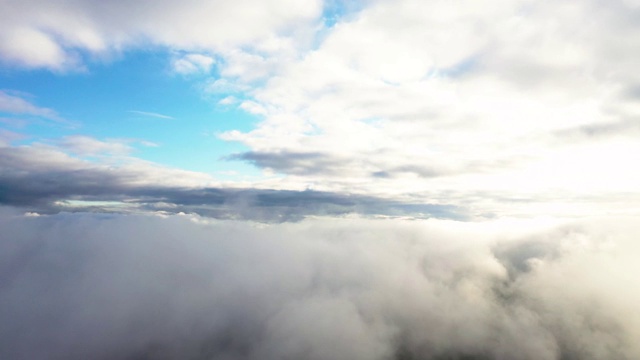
[338, 179]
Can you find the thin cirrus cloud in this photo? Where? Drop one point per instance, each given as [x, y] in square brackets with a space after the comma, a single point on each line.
[14, 104]
[193, 64]
[152, 114]
[89, 146]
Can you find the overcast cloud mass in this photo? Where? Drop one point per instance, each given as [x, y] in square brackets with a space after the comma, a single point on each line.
[183, 287]
[331, 179]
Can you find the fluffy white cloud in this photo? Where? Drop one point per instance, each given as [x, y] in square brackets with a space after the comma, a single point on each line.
[53, 34]
[490, 101]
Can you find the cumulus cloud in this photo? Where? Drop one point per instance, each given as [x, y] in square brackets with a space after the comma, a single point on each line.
[77, 286]
[434, 97]
[57, 34]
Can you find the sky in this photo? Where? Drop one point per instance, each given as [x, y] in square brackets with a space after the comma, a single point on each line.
[484, 152]
[513, 108]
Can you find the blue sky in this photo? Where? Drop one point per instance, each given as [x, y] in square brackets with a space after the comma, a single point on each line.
[137, 95]
[117, 99]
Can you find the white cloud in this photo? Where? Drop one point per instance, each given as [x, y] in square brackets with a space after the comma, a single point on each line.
[88, 146]
[223, 86]
[193, 64]
[253, 108]
[229, 100]
[109, 286]
[152, 114]
[247, 67]
[7, 137]
[33, 48]
[476, 101]
[474, 92]
[50, 34]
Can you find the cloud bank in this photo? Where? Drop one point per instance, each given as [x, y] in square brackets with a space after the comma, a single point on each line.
[49, 179]
[77, 286]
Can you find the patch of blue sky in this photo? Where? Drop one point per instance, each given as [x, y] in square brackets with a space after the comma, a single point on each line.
[335, 10]
[137, 97]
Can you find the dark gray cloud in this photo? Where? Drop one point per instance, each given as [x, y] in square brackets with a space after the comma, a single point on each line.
[317, 163]
[46, 180]
[284, 205]
[79, 286]
[295, 163]
[374, 165]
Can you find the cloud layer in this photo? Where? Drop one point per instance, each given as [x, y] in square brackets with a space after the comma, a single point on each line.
[414, 110]
[77, 286]
[45, 179]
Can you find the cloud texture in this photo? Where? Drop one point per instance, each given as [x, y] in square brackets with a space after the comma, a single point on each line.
[49, 179]
[488, 104]
[77, 286]
[58, 34]
[409, 109]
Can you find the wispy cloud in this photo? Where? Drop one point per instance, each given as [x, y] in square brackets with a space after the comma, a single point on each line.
[152, 114]
[13, 103]
[86, 145]
[7, 137]
[193, 64]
